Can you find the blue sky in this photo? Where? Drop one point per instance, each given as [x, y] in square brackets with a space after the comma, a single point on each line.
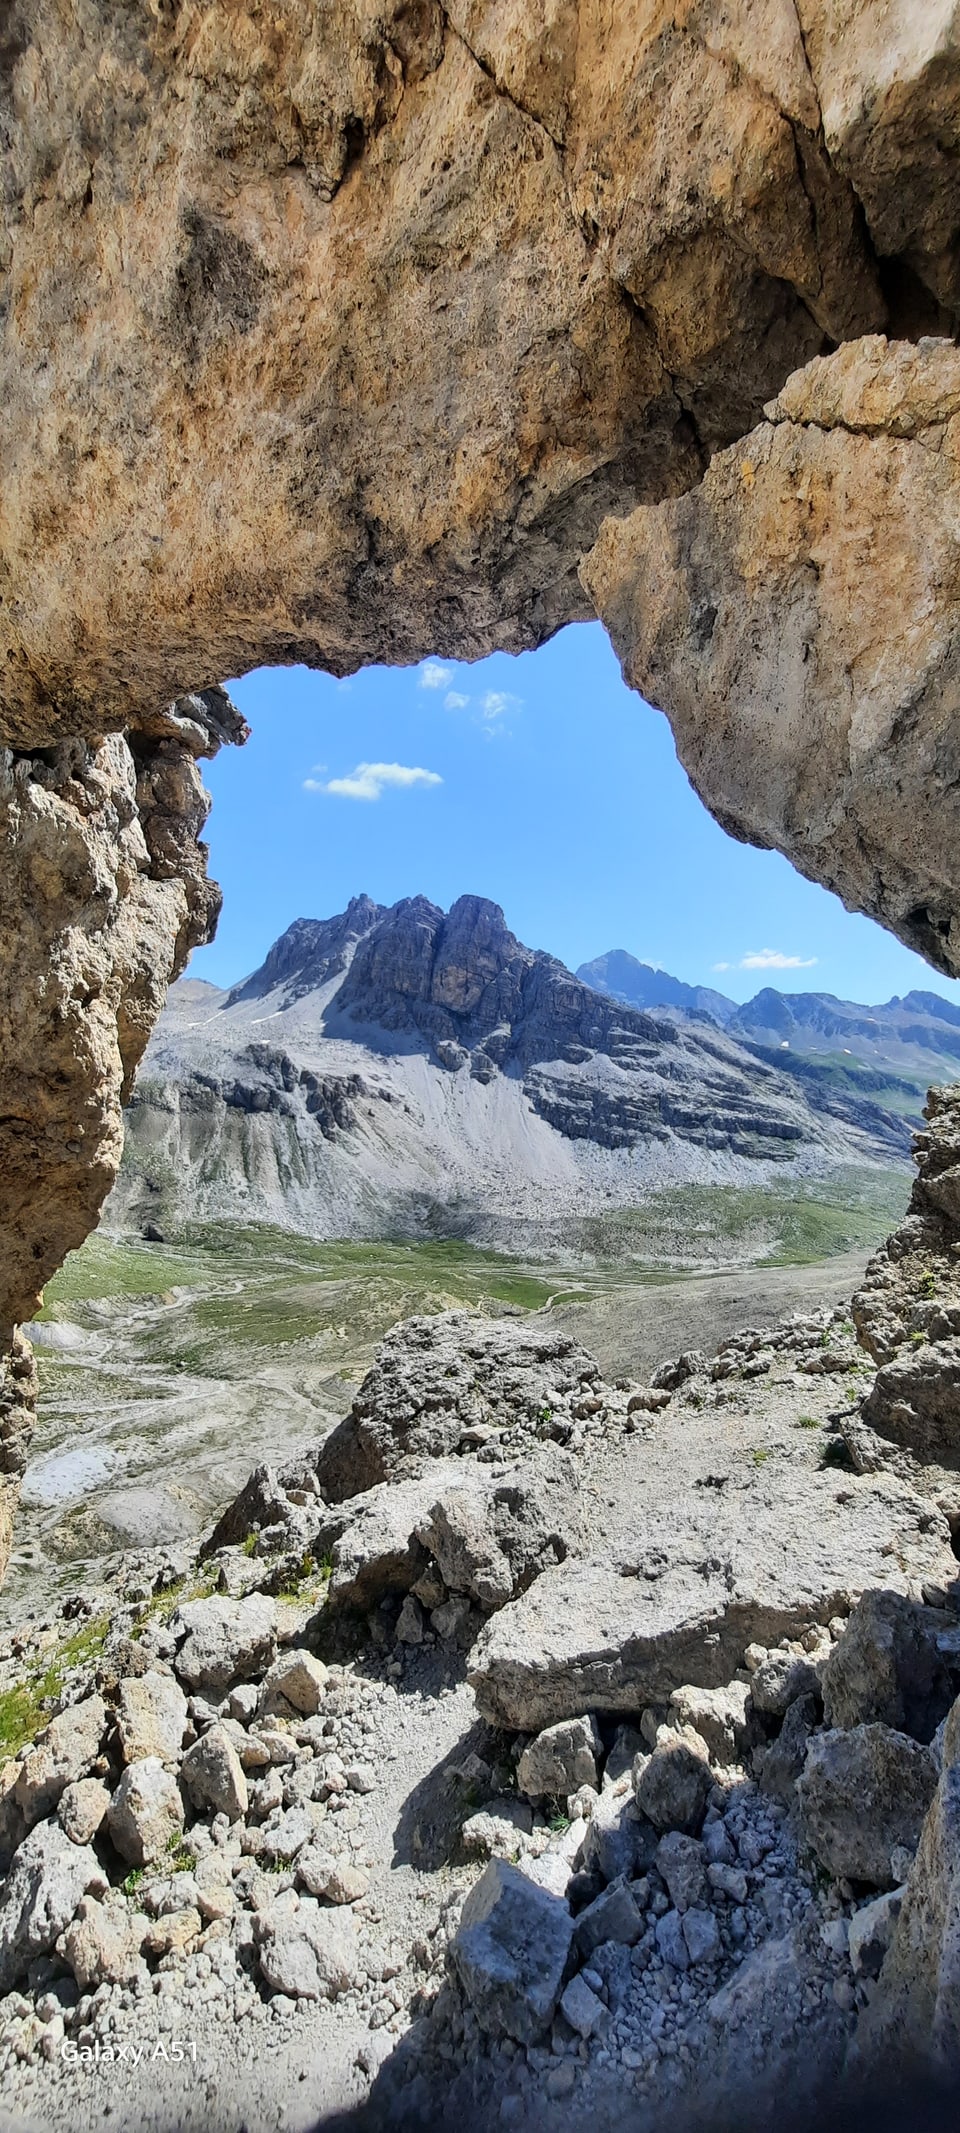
[539, 781]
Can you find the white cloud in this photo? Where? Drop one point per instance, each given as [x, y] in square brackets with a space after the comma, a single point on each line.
[720, 966]
[369, 780]
[434, 676]
[497, 702]
[453, 701]
[772, 959]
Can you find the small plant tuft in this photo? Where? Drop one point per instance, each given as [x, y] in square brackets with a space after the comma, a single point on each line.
[181, 1858]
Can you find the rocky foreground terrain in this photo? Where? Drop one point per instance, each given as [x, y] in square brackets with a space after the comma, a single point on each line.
[535, 1748]
[410, 1072]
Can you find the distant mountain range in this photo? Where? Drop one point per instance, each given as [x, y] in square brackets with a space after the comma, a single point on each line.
[410, 1071]
[913, 1041]
[641, 985]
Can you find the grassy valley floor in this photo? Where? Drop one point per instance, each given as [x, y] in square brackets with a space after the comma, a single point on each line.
[169, 1370]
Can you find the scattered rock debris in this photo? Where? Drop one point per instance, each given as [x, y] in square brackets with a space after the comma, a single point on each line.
[274, 1807]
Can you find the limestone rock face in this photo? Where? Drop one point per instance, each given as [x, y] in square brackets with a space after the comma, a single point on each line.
[592, 1635]
[896, 1664]
[797, 618]
[101, 863]
[908, 1315]
[914, 2015]
[861, 1794]
[439, 287]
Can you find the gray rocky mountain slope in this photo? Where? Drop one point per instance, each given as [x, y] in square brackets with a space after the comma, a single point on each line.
[902, 1042]
[408, 1070]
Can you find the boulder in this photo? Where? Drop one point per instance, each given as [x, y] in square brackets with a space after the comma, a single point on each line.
[613, 1916]
[620, 1842]
[779, 1766]
[145, 1811]
[511, 1951]
[722, 1717]
[102, 1945]
[671, 1375]
[488, 1532]
[748, 1564]
[283, 1837]
[307, 1953]
[410, 1623]
[336, 1880]
[671, 1941]
[299, 1678]
[583, 2008]
[172, 1931]
[211, 1775]
[860, 1794]
[781, 1678]
[222, 1641]
[151, 1717]
[560, 1759]
[452, 1619]
[702, 1935]
[377, 1552]
[438, 1381]
[62, 1752]
[672, 1786]
[496, 1830]
[897, 1664]
[728, 1881]
[48, 1877]
[682, 1866]
[82, 1808]
[490, 1537]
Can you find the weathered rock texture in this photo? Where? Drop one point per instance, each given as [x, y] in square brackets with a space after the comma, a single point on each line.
[914, 2016]
[908, 1315]
[457, 1383]
[415, 294]
[798, 616]
[100, 864]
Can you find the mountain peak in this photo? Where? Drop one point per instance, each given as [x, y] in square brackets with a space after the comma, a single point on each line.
[311, 951]
[623, 977]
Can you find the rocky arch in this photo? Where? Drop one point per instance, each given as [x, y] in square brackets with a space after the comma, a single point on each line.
[336, 334]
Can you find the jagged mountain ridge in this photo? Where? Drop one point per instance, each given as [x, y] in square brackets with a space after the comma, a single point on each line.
[913, 1036]
[388, 1071]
